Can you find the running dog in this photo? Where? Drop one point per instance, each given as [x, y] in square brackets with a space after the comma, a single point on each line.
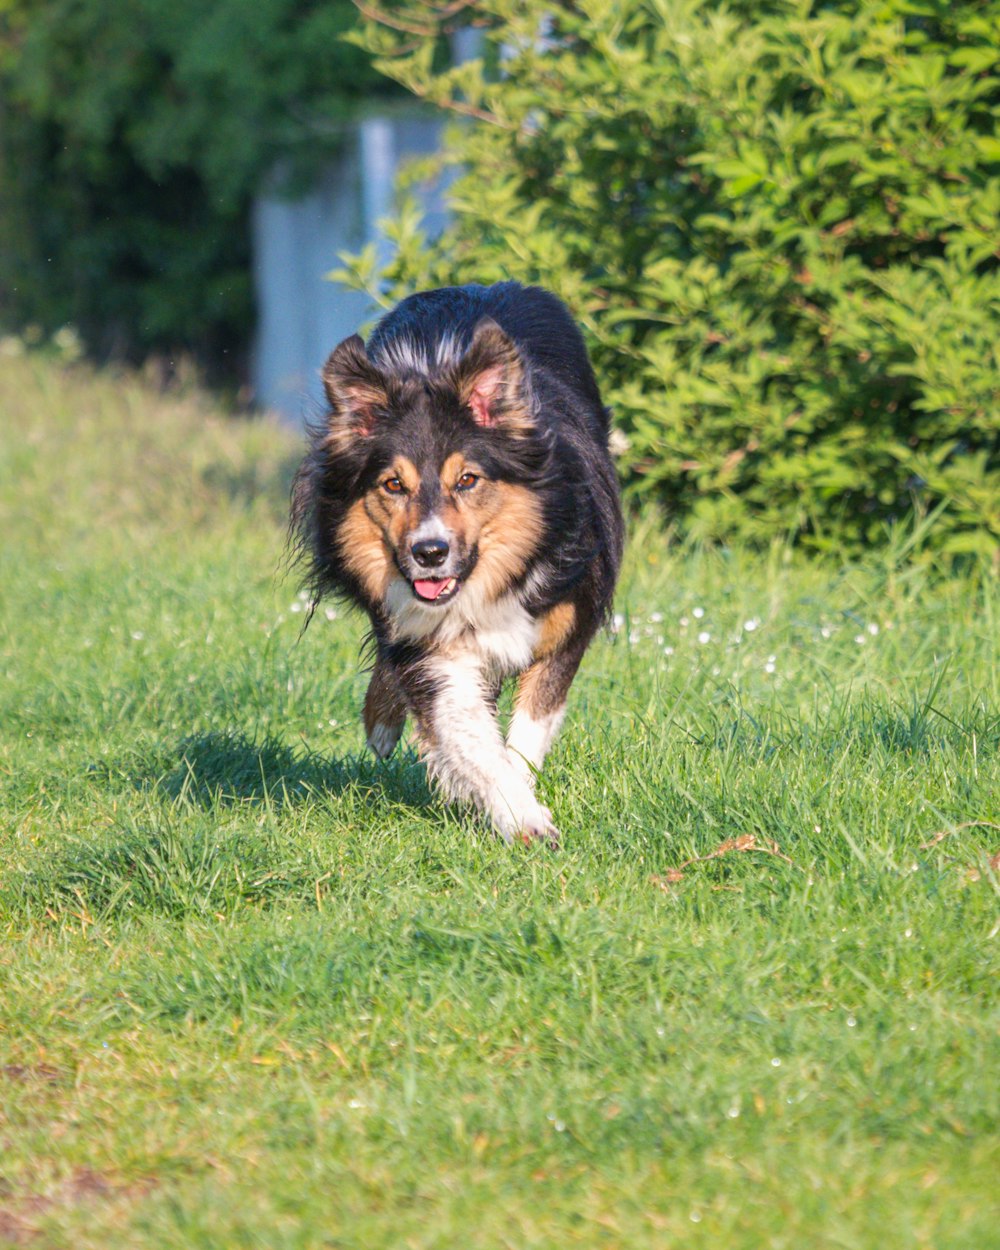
[460, 490]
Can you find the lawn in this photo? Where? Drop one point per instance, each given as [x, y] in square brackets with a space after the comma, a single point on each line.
[258, 990]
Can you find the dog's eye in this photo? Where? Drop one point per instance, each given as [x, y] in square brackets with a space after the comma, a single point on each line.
[392, 486]
[467, 481]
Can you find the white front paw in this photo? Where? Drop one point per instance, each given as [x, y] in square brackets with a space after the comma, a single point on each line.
[383, 738]
[530, 823]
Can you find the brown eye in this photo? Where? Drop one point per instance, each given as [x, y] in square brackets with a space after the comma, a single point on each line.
[392, 486]
[467, 481]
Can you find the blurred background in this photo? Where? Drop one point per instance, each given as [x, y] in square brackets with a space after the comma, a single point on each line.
[778, 223]
[179, 177]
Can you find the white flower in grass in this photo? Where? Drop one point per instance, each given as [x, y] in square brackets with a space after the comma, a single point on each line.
[668, 650]
[684, 622]
[295, 607]
[751, 624]
[331, 614]
[826, 631]
[860, 639]
[67, 343]
[698, 613]
[138, 635]
[704, 637]
[873, 629]
[655, 618]
[617, 621]
[11, 346]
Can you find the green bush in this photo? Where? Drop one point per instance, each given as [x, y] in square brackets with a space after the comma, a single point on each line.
[780, 224]
[133, 137]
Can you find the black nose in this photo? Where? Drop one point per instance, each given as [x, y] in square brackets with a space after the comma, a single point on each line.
[430, 552]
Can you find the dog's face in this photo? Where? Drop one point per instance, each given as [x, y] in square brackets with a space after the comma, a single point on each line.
[440, 504]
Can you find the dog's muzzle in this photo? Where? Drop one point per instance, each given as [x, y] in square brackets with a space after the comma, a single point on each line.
[432, 576]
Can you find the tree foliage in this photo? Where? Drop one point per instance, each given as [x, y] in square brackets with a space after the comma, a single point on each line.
[132, 138]
[780, 223]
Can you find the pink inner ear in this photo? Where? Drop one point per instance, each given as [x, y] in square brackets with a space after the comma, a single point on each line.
[484, 394]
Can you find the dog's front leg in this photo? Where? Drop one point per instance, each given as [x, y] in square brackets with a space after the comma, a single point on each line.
[464, 750]
[385, 709]
[540, 706]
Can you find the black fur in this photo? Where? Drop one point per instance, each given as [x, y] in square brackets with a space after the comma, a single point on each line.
[501, 375]
[566, 461]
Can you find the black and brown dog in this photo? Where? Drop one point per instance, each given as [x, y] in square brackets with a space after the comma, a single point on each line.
[461, 491]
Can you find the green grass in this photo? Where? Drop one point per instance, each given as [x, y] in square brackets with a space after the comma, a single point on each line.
[258, 990]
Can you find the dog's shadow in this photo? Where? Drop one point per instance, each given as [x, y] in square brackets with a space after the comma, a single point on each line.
[229, 769]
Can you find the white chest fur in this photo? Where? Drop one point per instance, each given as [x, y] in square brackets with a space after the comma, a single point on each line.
[503, 634]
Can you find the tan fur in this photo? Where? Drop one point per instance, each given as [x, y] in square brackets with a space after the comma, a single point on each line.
[508, 537]
[407, 473]
[363, 548]
[375, 526]
[462, 512]
[555, 628]
[452, 470]
[532, 695]
[503, 520]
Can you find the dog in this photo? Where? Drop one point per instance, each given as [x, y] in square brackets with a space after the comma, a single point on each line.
[460, 491]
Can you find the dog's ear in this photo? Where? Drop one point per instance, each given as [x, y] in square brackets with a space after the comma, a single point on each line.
[354, 387]
[491, 383]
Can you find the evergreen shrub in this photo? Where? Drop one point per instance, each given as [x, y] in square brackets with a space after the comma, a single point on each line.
[779, 222]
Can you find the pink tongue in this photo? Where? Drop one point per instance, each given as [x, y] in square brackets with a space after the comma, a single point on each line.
[430, 590]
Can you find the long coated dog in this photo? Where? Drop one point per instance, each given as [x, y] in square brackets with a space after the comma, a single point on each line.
[461, 491]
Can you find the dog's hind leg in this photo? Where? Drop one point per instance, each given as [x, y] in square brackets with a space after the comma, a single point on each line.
[385, 710]
[539, 708]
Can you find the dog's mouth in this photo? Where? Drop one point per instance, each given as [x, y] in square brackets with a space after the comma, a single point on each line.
[436, 590]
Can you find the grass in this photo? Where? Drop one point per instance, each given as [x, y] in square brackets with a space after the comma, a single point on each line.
[258, 990]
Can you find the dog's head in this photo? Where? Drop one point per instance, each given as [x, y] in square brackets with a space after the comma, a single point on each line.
[441, 463]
